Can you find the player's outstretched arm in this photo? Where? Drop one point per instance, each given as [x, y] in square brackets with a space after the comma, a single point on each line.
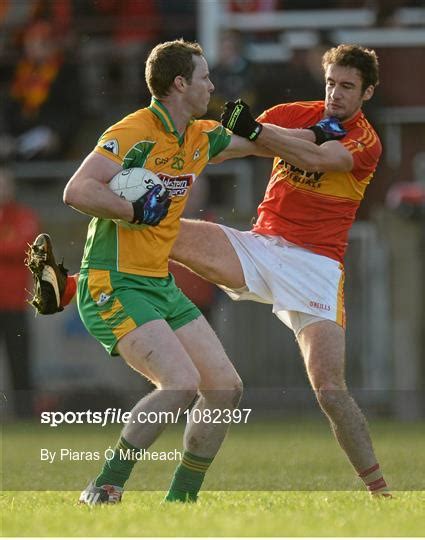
[237, 118]
[239, 148]
[329, 156]
[298, 147]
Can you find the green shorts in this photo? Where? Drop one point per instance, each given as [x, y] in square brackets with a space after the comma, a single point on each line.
[111, 304]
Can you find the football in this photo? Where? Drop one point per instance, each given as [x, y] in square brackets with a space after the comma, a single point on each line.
[131, 184]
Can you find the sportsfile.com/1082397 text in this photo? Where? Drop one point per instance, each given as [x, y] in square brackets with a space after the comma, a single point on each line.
[113, 415]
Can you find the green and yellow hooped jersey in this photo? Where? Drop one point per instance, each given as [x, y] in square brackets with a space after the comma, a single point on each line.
[148, 138]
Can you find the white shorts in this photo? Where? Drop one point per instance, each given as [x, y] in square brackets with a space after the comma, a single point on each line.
[302, 286]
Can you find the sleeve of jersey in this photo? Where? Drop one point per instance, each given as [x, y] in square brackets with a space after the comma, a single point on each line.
[121, 144]
[365, 148]
[218, 138]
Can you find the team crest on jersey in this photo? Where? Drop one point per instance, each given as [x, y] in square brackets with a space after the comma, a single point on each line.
[103, 298]
[177, 186]
[111, 146]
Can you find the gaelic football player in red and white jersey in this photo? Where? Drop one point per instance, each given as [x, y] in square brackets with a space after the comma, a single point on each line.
[293, 256]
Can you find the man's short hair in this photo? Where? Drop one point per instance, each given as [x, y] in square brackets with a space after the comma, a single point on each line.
[168, 60]
[355, 56]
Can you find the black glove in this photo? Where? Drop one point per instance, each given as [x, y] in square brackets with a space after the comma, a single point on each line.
[328, 129]
[237, 117]
[152, 207]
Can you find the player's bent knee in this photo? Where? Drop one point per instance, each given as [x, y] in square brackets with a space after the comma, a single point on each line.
[182, 381]
[233, 392]
[236, 392]
[237, 387]
[225, 394]
[183, 397]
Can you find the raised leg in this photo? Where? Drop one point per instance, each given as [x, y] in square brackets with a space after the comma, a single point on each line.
[205, 249]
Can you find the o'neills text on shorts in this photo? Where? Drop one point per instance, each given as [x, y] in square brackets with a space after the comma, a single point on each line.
[318, 305]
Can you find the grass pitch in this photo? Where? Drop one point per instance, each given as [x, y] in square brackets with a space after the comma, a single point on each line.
[217, 514]
[299, 456]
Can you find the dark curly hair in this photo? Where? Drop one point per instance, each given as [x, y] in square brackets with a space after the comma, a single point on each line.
[355, 56]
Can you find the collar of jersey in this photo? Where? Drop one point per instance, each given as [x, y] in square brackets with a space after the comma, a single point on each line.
[349, 124]
[161, 111]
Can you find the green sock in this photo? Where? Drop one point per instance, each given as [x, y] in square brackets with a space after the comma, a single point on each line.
[188, 478]
[117, 470]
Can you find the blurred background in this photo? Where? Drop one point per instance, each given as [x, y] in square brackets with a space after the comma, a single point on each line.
[70, 68]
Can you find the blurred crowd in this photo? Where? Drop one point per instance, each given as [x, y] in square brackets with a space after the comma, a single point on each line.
[66, 63]
[60, 59]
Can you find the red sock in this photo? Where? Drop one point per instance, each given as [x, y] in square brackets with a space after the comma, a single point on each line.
[374, 481]
[70, 290]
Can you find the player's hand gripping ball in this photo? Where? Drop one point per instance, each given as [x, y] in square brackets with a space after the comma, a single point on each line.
[237, 117]
[328, 129]
[146, 191]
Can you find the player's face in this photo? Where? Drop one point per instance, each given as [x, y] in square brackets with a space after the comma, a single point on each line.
[344, 94]
[199, 90]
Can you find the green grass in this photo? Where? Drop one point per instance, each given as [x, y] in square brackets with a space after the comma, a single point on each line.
[216, 514]
[260, 460]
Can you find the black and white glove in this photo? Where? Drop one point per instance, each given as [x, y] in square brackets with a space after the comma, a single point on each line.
[237, 117]
[328, 129]
[152, 207]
